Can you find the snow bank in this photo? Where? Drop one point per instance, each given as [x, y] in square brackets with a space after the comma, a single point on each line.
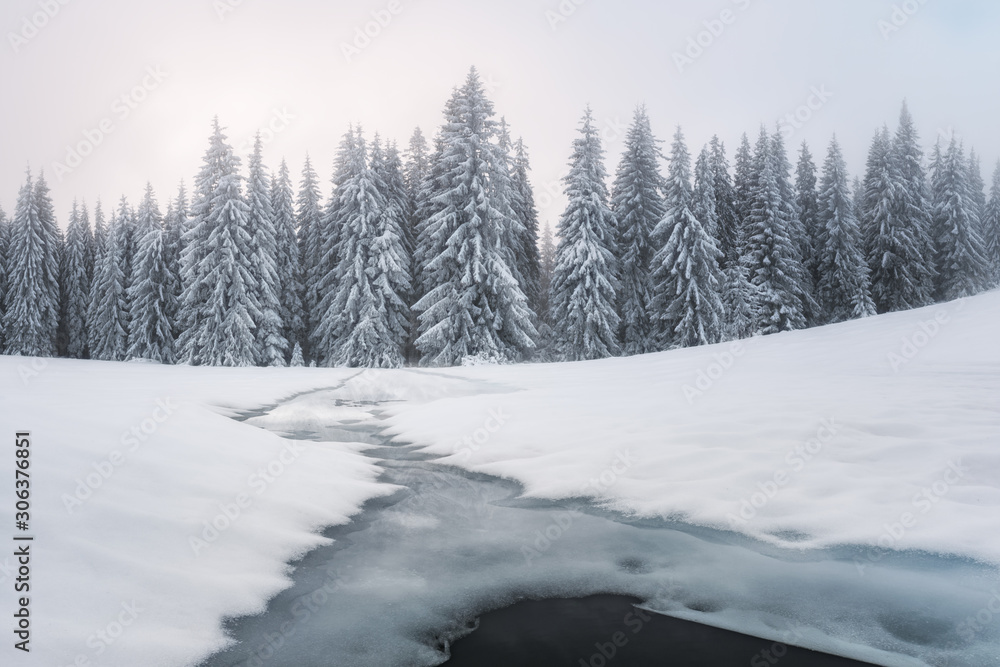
[155, 514]
[881, 434]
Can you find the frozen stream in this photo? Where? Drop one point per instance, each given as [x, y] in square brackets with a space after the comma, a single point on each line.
[415, 570]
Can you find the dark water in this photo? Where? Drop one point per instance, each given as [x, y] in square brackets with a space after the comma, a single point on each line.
[609, 631]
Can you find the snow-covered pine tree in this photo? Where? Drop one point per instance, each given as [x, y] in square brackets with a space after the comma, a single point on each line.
[75, 285]
[391, 177]
[107, 313]
[585, 280]
[298, 361]
[125, 227]
[991, 227]
[219, 284]
[310, 219]
[892, 247]
[725, 204]
[322, 339]
[743, 185]
[739, 300]
[415, 170]
[687, 282]
[475, 306]
[807, 200]
[288, 258]
[31, 318]
[365, 323]
[175, 224]
[508, 200]
[271, 345]
[527, 214]
[637, 204]
[977, 186]
[843, 290]
[961, 254]
[430, 200]
[100, 234]
[771, 257]
[546, 263]
[4, 268]
[914, 209]
[153, 292]
[802, 280]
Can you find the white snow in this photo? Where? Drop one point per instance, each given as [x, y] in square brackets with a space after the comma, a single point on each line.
[875, 432]
[121, 562]
[902, 413]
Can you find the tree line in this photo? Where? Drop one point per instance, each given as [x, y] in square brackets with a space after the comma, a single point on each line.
[436, 256]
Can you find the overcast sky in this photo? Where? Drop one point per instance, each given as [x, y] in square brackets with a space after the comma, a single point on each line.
[264, 63]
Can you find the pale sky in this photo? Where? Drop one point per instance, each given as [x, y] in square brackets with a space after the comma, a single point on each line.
[260, 63]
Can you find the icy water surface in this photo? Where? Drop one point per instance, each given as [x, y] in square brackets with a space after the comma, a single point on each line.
[453, 551]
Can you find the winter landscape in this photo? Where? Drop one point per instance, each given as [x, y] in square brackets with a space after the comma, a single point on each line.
[666, 356]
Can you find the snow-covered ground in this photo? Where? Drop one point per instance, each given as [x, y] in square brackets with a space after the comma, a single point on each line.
[859, 440]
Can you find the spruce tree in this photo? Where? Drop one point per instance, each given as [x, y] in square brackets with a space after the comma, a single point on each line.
[687, 282]
[288, 258]
[637, 204]
[843, 290]
[366, 322]
[31, 317]
[310, 217]
[771, 257]
[4, 269]
[743, 186]
[585, 278]
[725, 205]
[807, 200]
[961, 253]
[219, 284]
[75, 284]
[417, 166]
[892, 246]
[991, 228]
[100, 234]
[297, 359]
[914, 209]
[107, 314]
[152, 296]
[271, 345]
[474, 308]
[527, 215]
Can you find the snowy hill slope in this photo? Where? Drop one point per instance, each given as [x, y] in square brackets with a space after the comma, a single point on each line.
[872, 437]
[881, 433]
